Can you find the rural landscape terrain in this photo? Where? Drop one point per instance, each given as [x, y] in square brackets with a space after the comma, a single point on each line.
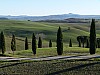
[48, 31]
[49, 37]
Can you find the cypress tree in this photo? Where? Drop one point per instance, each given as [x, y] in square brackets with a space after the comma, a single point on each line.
[59, 42]
[92, 37]
[34, 44]
[13, 44]
[70, 43]
[26, 43]
[50, 43]
[40, 43]
[2, 43]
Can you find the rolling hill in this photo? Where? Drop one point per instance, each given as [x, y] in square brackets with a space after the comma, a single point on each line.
[46, 30]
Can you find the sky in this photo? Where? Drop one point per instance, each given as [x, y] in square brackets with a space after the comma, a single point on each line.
[49, 7]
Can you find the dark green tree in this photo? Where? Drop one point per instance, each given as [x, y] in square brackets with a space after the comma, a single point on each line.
[83, 40]
[98, 42]
[79, 43]
[79, 40]
[2, 42]
[87, 43]
[50, 43]
[34, 44]
[59, 42]
[13, 44]
[26, 43]
[70, 43]
[92, 37]
[40, 43]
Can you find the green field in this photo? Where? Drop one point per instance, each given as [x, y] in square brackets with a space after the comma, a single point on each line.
[44, 52]
[47, 31]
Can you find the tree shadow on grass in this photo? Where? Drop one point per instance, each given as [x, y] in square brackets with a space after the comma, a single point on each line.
[73, 68]
[3, 55]
[14, 64]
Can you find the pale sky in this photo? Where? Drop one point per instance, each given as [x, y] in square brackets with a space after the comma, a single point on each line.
[49, 7]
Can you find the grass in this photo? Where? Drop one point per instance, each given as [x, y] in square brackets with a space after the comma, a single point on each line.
[44, 52]
[55, 67]
[48, 30]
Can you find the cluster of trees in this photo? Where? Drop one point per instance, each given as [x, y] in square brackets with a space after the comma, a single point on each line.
[34, 45]
[91, 42]
[83, 40]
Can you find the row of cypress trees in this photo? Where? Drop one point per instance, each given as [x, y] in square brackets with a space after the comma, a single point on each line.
[59, 41]
[34, 46]
[13, 43]
[92, 42]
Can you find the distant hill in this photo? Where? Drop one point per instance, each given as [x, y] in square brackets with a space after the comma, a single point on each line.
[52, 17]
[3, 18]
[68, 20]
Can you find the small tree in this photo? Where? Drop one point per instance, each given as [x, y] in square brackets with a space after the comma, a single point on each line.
[26, 43]
[50, 43]
[34, 44]
[79, 40]
[87, 44]
[70, 43]
[79, 43]
[2, 43]
[40, 43]
[98, 42]
[59, 42]
[13, 44]
[92, 37]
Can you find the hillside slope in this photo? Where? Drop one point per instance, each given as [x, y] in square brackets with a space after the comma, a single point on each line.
[46, 30]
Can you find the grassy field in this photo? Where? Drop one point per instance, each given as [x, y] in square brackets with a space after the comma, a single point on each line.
[47, 31]
[56, 67]
[44, 52]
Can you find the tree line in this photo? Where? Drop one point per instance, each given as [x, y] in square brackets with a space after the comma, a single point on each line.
[91, 42]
